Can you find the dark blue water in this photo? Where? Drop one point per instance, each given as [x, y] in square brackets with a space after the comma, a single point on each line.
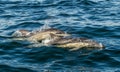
[94, 19]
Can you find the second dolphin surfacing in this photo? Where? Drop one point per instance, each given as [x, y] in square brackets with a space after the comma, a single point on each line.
[72, 43]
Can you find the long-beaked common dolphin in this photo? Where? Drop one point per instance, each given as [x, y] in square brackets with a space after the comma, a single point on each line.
[71, 43]
[37, 36]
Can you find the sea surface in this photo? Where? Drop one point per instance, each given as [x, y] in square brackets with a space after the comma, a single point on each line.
[94, 19]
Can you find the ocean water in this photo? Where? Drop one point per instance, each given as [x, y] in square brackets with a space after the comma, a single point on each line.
[94, 19]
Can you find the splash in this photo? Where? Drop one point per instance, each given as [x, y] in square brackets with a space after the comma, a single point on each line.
[45, 26]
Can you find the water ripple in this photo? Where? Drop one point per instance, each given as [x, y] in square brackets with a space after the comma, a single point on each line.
[94, 19]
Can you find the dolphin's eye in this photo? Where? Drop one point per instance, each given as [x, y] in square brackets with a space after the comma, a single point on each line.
[40, 41]
[54, 44]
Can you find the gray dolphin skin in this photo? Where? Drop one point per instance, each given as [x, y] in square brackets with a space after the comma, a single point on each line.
[72, 43]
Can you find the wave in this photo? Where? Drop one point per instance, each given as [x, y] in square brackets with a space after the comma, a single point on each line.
[7, 68]
[50, 2]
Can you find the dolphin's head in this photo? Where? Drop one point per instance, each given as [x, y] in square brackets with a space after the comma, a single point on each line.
[96, 45]
[21, 33]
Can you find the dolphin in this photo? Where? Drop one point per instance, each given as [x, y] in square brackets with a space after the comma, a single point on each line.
[71, 42]
[37, 36]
